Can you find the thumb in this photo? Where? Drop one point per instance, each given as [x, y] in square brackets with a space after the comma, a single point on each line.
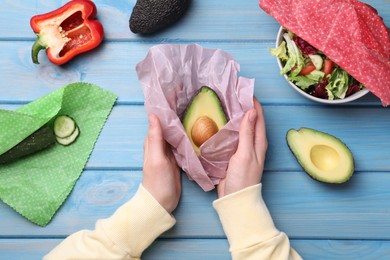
[155, 143]
[247, 132]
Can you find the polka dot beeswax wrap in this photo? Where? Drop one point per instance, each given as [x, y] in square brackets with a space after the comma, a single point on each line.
[349, 32]
[38, 184]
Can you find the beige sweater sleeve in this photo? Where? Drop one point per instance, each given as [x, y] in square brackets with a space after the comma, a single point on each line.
[124, 235]
[250, 229]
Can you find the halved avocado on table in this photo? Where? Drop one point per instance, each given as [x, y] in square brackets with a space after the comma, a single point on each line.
[321, 155]
[203, 117]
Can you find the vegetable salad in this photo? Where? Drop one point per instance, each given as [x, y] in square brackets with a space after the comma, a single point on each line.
[313, 72]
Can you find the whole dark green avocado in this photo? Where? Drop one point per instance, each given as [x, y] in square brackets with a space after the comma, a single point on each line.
[149, 16]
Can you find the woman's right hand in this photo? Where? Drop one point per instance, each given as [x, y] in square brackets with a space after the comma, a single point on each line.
[246, 165]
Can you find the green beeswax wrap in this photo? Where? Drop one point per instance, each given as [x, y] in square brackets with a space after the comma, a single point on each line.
[38, 184]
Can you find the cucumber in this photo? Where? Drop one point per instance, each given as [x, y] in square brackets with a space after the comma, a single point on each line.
[41, 139]
[66, 130]
[69, 139]
[317, 61]
[64, 126]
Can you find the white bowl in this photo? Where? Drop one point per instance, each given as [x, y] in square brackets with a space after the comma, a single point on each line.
[350, 98]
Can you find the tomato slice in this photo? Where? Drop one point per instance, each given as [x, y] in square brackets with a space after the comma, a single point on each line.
[307, 68]
[328, 66]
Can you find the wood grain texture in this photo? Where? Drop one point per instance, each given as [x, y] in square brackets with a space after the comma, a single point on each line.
[364, 130]
[205, 20]
[349, 221]
[112, 66]
[210, 249]
[300, 206]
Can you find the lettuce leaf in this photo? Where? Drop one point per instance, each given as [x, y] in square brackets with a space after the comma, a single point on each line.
[304, 82]
[339, 82]
[280, 52]
[316, 75]
[295, 57]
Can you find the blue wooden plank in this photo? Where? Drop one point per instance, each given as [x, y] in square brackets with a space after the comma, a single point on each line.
[363, 130]
[213, 20]
[300, 206]
[342, 249]
[112, 66]
[206, 20]
[167, 249]
[324, 211]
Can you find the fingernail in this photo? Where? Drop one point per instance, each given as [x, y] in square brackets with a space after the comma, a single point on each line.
[252, 115]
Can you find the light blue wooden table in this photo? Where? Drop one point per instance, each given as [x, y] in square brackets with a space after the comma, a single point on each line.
[350, 221]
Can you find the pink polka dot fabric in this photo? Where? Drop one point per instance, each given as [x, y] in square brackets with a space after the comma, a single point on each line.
[349, 32]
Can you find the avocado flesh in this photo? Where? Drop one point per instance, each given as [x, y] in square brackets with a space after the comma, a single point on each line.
[204, 103]
[321, 155]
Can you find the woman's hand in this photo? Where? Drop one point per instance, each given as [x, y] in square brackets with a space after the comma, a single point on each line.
[246, 165]
[161, 175]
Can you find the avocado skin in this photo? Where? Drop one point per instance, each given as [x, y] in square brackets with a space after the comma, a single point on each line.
[149, 16]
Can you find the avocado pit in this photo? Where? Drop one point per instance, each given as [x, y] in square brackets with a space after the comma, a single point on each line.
[203, 128]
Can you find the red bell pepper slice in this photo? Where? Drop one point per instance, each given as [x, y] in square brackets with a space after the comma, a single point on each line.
[66, 31]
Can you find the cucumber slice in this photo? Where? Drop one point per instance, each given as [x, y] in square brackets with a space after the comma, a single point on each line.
[69, 139]
[317, 61]
[64, 126]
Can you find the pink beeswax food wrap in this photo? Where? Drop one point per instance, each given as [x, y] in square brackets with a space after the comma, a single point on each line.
[349, 32]
[170, 75]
